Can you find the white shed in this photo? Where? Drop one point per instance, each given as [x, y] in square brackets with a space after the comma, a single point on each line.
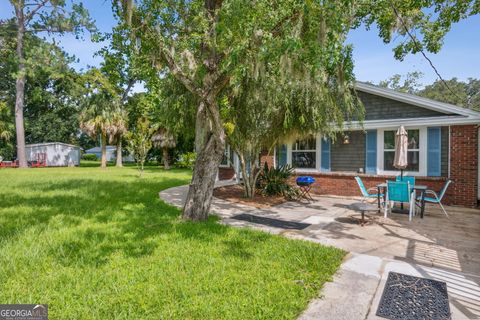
[58, 154]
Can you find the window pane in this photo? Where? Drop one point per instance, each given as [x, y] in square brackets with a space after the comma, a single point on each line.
[304, 159]
[413, 161]
[413, 139]
[388, 158]
[226, 156]
[389, 140]
[305, 144]
[281, 155]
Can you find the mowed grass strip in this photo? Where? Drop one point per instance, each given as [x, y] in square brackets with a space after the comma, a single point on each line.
[99, 244]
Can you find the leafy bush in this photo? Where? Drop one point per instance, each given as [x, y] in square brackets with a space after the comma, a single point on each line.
[187, 160]
[89, 157]
[274, 181]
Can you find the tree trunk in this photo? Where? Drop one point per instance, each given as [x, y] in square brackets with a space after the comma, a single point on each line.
[104, 151]
[119, 161]
[210, 146]
[166, 164]
[246, 185]
[249, 178]
[20, 88]
[209, 131]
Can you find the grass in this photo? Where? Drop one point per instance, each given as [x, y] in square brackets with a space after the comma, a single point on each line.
[99, 244]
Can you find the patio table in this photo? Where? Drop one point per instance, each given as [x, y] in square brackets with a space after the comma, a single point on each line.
[419, 187]
[363, 207]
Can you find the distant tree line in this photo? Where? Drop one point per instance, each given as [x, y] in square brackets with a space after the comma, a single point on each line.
[61, 101]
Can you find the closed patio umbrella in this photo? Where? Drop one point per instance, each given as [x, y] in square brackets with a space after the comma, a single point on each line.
[401, 149]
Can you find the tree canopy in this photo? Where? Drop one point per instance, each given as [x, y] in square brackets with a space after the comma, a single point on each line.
[214, 48]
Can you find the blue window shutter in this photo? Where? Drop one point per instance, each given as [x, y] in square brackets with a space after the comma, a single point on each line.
[325, 164]
[281, 155]
[434, 151]
[371, 151]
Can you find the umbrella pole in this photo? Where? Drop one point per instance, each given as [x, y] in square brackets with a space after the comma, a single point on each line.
[401, 179]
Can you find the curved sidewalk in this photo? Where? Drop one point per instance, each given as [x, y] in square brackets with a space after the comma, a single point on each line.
[357, 287]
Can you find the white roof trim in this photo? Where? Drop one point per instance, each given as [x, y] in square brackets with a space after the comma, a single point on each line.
[416, 100]
[430, 121]
[50, 143]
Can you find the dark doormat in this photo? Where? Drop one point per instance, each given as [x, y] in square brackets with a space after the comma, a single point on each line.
[271, 222]
[411, 298]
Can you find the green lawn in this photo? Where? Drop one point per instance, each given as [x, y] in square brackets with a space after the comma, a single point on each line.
[99, 244]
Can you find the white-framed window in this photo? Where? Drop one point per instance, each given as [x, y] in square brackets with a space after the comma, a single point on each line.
[227, 159]
[413, 154]
[417, 151]
[304, 153]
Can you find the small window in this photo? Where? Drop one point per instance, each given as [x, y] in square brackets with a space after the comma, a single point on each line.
[413, 150]
[227, 158]
[280, 155]
[304, 153]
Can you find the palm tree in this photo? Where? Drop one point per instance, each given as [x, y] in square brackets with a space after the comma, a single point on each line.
[101, 114]
[117, 128]
[165, 140]
[97, 125]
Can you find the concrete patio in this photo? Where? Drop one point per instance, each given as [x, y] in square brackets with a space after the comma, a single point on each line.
[434, 247]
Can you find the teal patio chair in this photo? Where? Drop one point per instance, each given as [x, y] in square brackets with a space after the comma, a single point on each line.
[400, 191]
[366, 192]
[436, 198]
[408, 179]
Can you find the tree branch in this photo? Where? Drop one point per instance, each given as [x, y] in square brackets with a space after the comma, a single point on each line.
[130, 84]
[276, 31]
[32, 13]
[420, 47]
[178, 73]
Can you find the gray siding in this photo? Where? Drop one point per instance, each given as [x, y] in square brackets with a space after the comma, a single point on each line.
[378, 108]
[351, 157]
[445, 147]
[348, 157]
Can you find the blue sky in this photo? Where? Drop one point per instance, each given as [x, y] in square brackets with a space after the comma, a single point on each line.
[374, 60]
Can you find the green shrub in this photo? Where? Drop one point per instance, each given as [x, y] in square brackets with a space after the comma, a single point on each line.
[274, 182]
[89, 157]
[187, 160]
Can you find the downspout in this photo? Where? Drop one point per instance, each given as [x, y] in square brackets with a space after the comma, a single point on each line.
[449, 148]
[274, 157]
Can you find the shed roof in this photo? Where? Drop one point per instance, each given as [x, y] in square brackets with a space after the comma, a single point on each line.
[42, 144]
[99, 149]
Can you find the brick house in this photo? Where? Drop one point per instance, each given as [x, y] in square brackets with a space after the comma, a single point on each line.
[443, 144]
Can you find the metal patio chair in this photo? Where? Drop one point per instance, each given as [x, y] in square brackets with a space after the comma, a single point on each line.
[437, 198]
[408, 179]
[366, 192]
[399, 191]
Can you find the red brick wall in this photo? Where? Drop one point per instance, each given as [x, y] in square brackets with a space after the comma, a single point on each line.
[264, 157]
[226, 173]
[463, 172]
[464, 165]
[344, 184]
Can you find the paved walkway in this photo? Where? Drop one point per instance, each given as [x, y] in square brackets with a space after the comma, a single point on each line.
[434, 247]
